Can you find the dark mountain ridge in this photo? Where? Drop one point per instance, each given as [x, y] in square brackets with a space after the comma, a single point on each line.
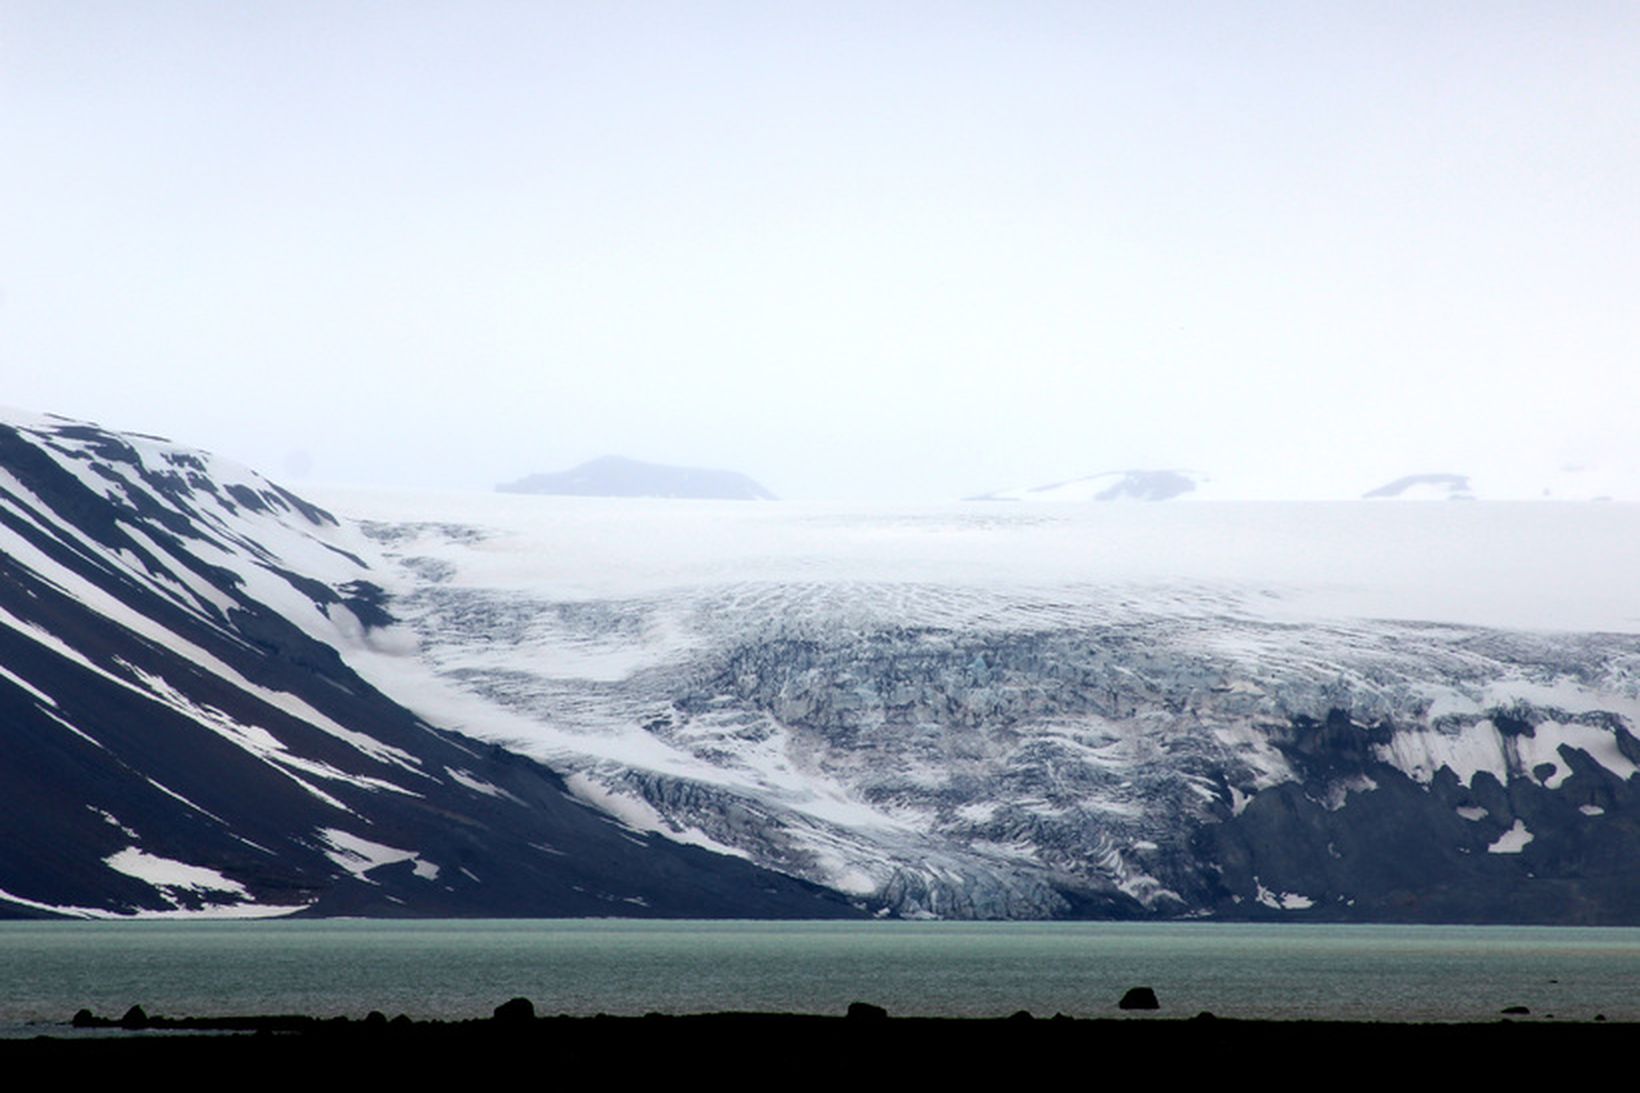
[182, 736]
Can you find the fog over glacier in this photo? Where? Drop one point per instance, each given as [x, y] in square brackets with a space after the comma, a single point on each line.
[907, 252]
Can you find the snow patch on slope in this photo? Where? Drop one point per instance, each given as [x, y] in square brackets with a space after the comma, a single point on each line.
[1512, 841]
[1282, 901]
[209, 911]
[359, 855]
[167, 874]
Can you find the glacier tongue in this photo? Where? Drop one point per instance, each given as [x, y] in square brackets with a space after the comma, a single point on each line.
[974, 713]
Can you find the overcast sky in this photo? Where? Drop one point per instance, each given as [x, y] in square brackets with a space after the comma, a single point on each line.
[886, 251]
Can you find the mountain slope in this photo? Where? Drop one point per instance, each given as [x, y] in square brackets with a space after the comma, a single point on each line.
[182, 734]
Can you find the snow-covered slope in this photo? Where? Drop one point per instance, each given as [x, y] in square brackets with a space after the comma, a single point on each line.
[181, 734]
[1302, 710]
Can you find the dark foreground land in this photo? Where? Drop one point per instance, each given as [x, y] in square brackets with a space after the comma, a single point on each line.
[866, 1048]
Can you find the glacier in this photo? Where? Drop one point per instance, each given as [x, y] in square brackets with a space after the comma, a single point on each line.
[1303, 710]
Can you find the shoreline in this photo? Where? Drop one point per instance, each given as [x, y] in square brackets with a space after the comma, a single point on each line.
[865, 1041]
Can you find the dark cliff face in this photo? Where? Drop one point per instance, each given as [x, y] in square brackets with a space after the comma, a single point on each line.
[1553, 844]
[180, 732]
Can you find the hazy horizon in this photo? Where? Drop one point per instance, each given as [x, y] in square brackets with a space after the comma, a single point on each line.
[907, 252]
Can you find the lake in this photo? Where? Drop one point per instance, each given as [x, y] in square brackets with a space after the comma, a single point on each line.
[463, 968]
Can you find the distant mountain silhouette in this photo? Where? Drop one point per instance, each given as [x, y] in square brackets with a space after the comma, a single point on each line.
[1453, 487]
[1128, 485]
[617, 476]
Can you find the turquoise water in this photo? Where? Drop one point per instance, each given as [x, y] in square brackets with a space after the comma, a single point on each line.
[458, 969]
